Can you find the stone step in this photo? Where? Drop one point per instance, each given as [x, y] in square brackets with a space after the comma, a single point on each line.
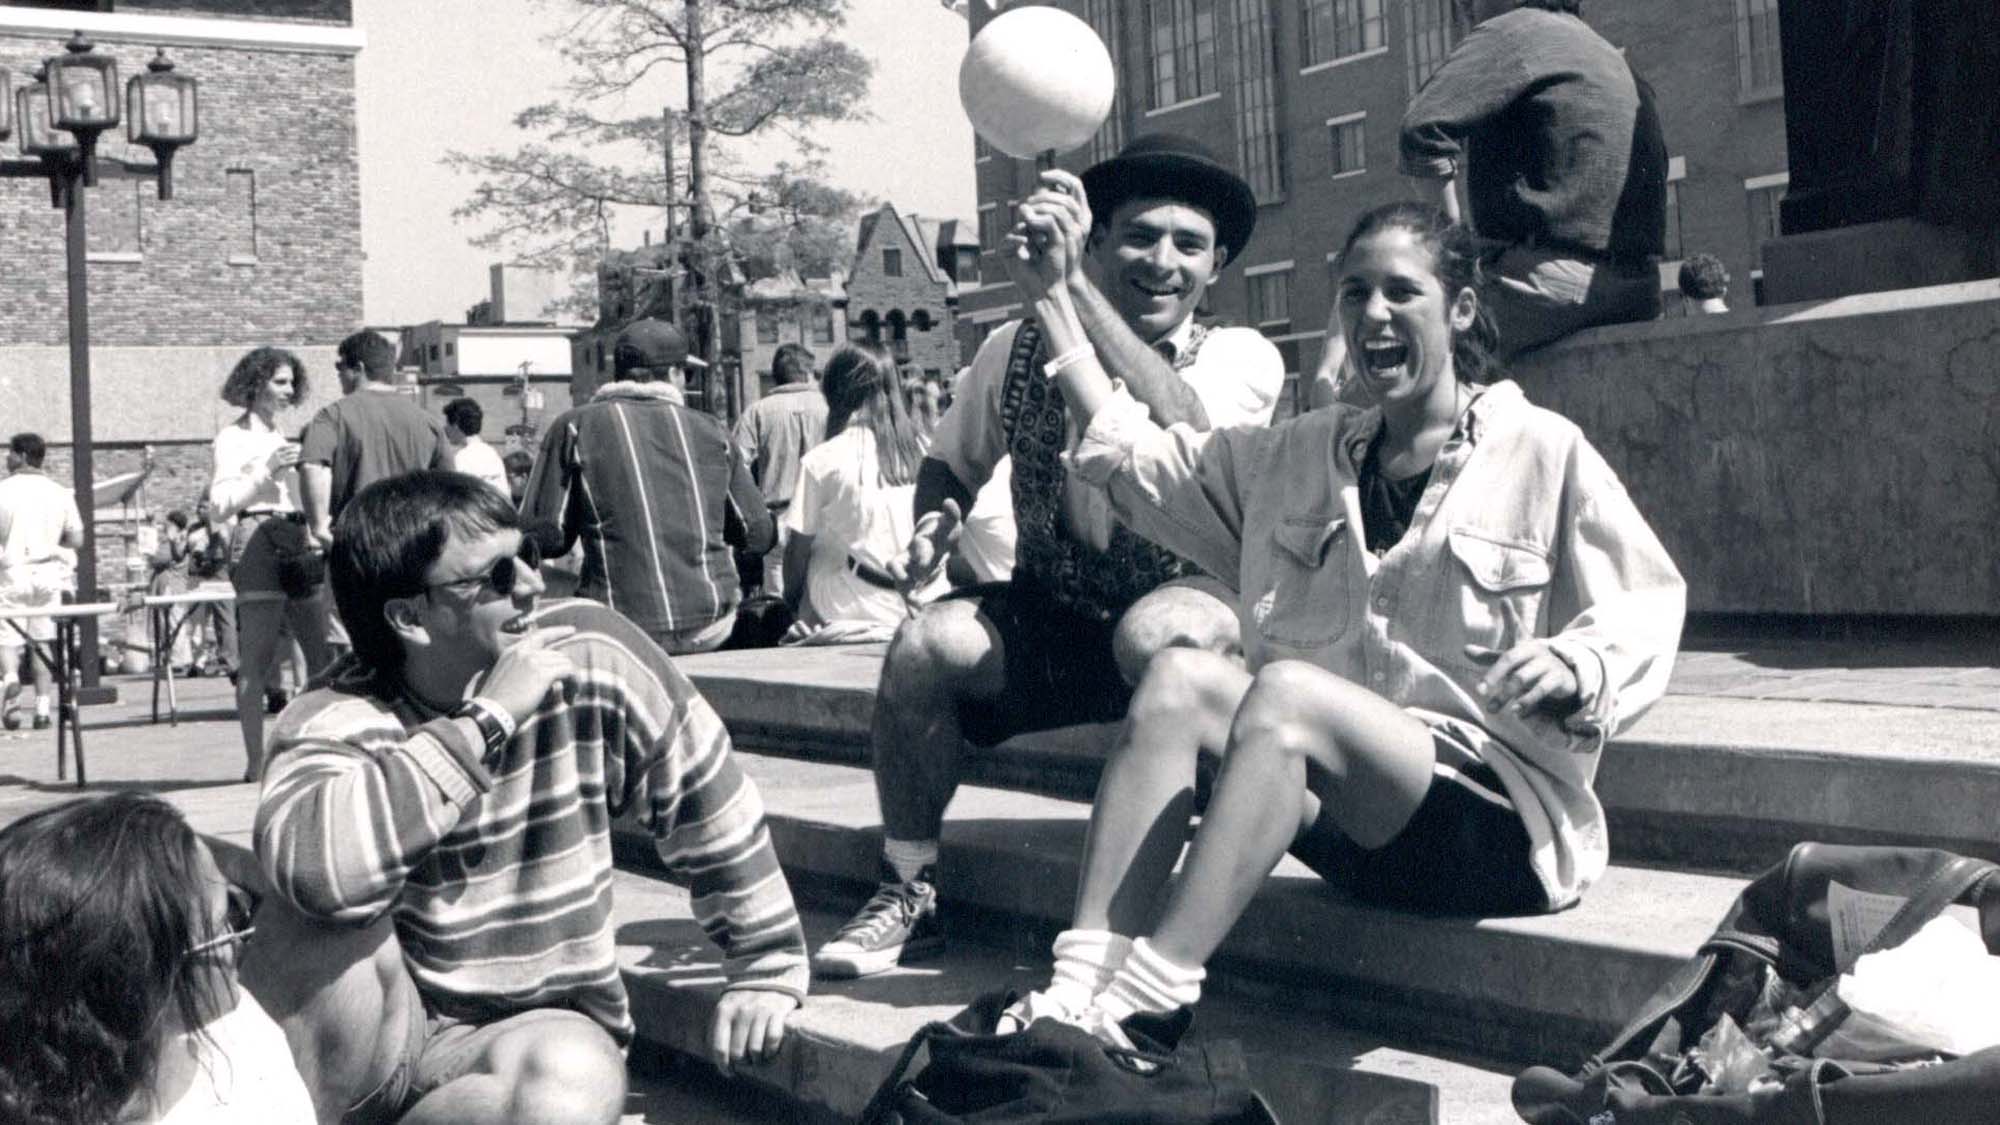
[843, 1042]
[1543, 989]
[1754, 748]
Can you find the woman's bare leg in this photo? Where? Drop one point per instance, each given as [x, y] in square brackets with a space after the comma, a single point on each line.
[1367, 762]
[1145, 798]
[257, 629]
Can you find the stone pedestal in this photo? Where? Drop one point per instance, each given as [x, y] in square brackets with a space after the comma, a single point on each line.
[1892, 131]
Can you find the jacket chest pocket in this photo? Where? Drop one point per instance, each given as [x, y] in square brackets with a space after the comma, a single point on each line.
[1495, 593]
[1307, 594]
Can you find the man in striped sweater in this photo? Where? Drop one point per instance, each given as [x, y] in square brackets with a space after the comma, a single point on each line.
[436, 825]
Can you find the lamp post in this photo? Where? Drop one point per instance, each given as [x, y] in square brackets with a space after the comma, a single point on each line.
[73, 99]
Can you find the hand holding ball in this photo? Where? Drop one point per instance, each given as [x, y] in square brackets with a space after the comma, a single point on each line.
[1036, 80]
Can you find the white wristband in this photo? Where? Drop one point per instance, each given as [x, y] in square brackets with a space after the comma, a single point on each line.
[1067, 359]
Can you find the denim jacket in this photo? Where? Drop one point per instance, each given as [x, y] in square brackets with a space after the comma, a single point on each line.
[1524, 531]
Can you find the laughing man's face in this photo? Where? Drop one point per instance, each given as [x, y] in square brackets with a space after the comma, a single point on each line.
[1155, 259]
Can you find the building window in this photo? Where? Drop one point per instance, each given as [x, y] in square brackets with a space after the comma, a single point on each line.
[240, 225]
[1102, 16]
[1432, 32]
[1347, 141]
[1260, 145]
[1338, 29]
[1270, 292]
[1759, 62]
[892, 262]
[990, 230]
[1182, 37]
[767, 325]
[1676, 172]
[1764, 192]
[822, 318]
[448, 348]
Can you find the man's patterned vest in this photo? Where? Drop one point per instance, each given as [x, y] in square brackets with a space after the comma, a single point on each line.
[1100, 586]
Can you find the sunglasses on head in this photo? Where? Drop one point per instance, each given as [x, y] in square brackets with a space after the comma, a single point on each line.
[236, 922]
[502, 575]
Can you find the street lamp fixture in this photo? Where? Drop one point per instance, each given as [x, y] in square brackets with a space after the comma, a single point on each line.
[162, 113]
[83, 97]
[59, 117]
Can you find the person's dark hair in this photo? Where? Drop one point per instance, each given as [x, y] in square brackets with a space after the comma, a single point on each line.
[386, 540]
[255, 369]
[1456, 264]
[518, 461]
[792, 364]
[863, 374]
[1703, 276]
[465, 416]
[101, 900]
[372, 352]
[178, 518]
[30, 448]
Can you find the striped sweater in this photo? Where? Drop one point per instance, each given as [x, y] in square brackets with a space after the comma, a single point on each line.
[497, 868]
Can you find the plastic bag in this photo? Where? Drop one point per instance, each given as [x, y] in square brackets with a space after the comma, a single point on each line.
[1937, 993]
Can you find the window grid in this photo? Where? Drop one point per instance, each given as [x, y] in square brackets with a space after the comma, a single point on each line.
[1271, 300]
[1336, 29]
[1182, 49]
[1102, 16]
[1759, 61]
[1432, 32]
[1259, 140]
[1348, 141]
[822, 324]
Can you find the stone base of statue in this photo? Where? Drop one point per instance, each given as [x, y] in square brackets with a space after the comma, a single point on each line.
[1871, 257]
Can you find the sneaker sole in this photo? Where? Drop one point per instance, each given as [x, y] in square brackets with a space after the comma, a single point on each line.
[848, 966]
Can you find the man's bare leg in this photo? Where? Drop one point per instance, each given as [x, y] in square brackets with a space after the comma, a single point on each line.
[1197, 613]
[560, 1069]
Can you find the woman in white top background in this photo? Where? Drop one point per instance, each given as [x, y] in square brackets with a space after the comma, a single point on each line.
[853, 507]
[255, 473]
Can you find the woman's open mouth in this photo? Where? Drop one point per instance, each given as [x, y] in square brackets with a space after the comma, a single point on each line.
[1383, 357]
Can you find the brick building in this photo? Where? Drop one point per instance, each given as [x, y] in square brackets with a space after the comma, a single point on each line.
[903, 289]
[260, 245]
[785, 309]
[1306, 97]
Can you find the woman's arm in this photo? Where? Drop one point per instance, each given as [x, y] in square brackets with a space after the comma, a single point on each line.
[798, 557]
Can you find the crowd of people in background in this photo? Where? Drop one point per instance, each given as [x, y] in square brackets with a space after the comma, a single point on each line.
[1400, 628]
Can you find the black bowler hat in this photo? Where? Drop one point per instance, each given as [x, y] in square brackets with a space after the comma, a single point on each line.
[1170, 166]
[654, 345]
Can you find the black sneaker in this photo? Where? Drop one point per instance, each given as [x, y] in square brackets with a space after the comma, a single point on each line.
[898, 924]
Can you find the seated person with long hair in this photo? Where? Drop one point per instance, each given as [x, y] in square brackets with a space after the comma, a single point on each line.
[853, 509]
[1449, 604]
[118, 993]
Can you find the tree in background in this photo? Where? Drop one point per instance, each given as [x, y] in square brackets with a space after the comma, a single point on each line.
[749, 68]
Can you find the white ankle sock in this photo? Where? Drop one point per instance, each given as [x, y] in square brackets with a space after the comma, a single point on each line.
[1149, 982]
[909, 857]
[1086, 960]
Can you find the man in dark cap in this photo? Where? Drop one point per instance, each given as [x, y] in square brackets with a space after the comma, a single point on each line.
[656, 493]
[1063, 641]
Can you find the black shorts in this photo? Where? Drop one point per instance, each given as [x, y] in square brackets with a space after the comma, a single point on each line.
[1462, 852]
[1058, 663]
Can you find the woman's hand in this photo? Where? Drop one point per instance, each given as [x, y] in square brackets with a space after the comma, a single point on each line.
[1525, 677]
[284, 457]
[935, 536]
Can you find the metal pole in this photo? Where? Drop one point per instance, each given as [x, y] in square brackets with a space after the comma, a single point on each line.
[79, 415]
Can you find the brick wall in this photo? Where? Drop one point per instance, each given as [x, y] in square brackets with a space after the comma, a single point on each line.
[301, 11]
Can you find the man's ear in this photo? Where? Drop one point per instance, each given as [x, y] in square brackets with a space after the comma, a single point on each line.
[1464, 308]
[1221, 262]
[405, 619]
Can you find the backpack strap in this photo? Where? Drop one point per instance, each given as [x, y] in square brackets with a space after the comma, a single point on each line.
[1947, 885]
[890, 1091]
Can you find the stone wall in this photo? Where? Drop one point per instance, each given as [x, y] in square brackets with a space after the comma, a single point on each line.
[1833, 458]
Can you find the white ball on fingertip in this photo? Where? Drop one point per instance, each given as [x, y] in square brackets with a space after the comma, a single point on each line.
[1036, 80]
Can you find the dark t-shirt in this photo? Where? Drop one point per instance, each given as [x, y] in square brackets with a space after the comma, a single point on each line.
[1559, 142]
[371, 435]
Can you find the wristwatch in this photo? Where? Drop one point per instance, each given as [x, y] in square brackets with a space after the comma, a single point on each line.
[496, 727]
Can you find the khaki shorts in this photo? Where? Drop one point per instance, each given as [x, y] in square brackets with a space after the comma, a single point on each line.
[438, 1050]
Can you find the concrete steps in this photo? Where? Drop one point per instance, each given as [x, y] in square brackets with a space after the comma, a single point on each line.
[1753, 749]
[841, 1045]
